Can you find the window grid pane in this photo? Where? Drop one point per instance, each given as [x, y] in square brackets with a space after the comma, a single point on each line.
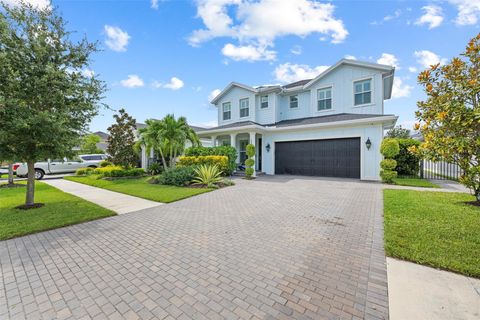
[264, 102]
[324, 99]
[244, 112]
[293, 102]
[363, 92]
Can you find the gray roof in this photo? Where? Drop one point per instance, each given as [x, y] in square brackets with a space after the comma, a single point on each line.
[143, 125]
[301, 121]
[102, 135]
[297, 83]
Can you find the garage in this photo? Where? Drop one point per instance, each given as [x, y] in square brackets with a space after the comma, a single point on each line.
[324, 158]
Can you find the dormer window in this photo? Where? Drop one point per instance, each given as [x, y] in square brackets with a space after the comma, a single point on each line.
[363, 92]
[264, 102]
[324, 97]
[293, 102]
[227, 111]
[244, 108]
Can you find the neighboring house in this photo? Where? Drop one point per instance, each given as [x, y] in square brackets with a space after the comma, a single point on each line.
[331, 125]
[103, 140]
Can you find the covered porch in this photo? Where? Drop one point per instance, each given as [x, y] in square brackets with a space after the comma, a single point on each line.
[239, 140]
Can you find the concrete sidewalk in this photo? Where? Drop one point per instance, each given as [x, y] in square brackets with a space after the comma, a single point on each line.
[420, 292]
[115, 201]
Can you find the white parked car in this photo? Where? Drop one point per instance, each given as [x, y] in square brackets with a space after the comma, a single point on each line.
[65, 165]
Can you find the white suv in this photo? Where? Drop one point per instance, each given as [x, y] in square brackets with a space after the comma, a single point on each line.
[65, 165]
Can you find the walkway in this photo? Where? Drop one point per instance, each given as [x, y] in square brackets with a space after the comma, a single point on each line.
[115, 201]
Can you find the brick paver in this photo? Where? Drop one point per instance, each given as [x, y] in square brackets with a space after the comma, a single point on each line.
[273, 248]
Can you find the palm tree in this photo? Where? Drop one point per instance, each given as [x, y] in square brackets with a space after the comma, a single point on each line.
[167, 137]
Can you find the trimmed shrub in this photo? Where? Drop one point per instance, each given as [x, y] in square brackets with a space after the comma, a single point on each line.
[389, 148]
[388, 175]
[388, 164]
[178, 176]
[250, 162]
[118, 172]
[408, 163]
[84, 171]
[105, 163]
[220, 161]
[228, 151]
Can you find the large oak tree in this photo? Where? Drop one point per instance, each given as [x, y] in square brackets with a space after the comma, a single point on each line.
[46, 97]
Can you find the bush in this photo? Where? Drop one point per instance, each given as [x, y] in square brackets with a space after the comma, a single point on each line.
[248, 173]
[228, 151]
[118, 172]
[178, 176]
[220, 161]
[389, 148]
[208, 175]
[388, 175]
[388, 164]
[154, 169]
[408, 163]
[105, 163]
[84, 171]
[250, 162]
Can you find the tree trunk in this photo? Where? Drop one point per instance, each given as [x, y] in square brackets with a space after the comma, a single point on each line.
[163, 159]
[10, 174]
[30, 198]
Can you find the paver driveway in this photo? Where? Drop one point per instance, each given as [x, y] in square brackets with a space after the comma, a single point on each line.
[274, 248]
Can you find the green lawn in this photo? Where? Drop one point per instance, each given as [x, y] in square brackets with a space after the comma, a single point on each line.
[141, 188]
[415, 182]
[433, 228]
[61, 209]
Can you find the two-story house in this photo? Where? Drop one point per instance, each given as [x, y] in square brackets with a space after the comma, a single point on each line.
[329, 126]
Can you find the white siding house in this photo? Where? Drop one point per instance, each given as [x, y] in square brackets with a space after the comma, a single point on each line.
[331, 125]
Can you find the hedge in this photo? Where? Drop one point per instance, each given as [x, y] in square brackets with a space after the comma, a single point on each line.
[178, 176]
[220, 161]
[408, 163]
[117, 171]
[227, 151]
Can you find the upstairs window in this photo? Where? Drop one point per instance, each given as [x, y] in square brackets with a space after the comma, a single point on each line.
[244, 108]
[264, 102]
[324, 97]
[227, 111]
[293, 102]
[363, 92]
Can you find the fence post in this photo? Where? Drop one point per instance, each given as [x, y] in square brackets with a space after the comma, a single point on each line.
[421, 169]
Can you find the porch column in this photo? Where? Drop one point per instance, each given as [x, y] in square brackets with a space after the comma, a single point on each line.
[233, 143]
[144, 158]
[214, 141]
[253, 141]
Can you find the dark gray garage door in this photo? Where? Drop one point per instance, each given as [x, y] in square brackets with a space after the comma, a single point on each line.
[324, 158]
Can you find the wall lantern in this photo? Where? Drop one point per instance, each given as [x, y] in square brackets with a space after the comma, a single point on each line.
[368, 143]
[268, 147]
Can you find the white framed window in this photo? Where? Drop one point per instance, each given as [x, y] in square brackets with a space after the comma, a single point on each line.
[362, 92]
[244, 108]
[227, 110]
[293, 102]
[324, 99]
[264, 102]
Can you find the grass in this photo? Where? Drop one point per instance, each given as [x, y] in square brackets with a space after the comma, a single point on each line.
[61, 209]
[437, 229]
[141, 188]
[415, 182]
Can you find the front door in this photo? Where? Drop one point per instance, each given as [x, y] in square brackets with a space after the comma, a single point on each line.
[260, 154]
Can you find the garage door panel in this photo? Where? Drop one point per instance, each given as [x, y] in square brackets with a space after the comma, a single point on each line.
[327, 158]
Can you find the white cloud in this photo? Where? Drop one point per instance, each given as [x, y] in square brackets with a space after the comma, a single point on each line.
[389, 17]
[433, 16]
[413, 69]
[248, 52]
[38, 4]
[468, 11]
[213, 94]
[389, 60]
[296, 50]
[174, 84]
[400, 89]
[427, 58]
[289, 72]
[133, 81]
[259, 23]
[154, 4]
[350, 57]
[117, 39]
[88, 73]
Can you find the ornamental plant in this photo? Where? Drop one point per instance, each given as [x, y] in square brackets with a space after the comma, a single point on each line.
[220, 161]
[389, 149]
[449, 119]
[250, 162]
[207, 175]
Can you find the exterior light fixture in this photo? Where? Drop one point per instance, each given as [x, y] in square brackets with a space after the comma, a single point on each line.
[267, 147]
[368, 143]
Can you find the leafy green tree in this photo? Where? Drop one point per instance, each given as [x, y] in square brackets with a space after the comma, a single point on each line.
[121, 141]
[398, 132]
[449, 118]
[167, 137]
[46, 99]
[89, 144]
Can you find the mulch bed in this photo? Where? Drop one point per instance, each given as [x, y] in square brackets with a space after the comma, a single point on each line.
[32, 206]
[473, 203]
[15, 185]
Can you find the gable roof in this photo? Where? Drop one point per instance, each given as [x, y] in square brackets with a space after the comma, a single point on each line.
[297, 84]
[229, 87]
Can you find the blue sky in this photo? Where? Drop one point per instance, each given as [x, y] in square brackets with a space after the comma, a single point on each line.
[169, 56]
